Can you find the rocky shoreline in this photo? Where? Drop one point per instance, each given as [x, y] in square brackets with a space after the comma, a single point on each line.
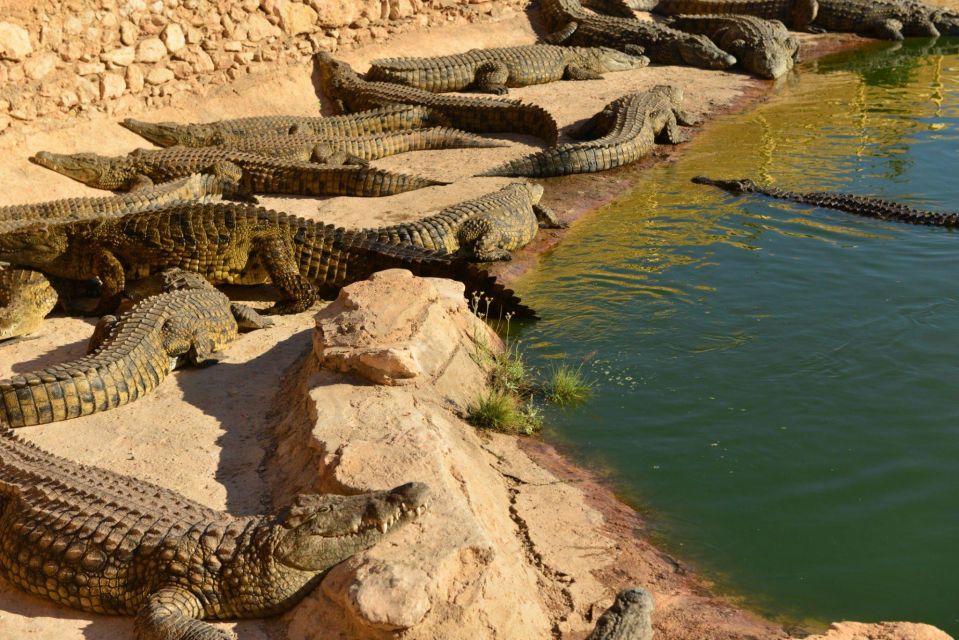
[521, 543]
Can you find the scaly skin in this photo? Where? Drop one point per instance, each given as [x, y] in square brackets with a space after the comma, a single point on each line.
[494, 70]
[129, 357]
[859, 205]
[102, 542]
[624, 131]
[312, 148]
[570, 24]
[946, 21]
[350, 92]
[629, 618]
[485, 228]
[27, 297]
[886, 19]
[762, 47]
[229, 244]
[391, 118]
[254, 173]
[795, 14]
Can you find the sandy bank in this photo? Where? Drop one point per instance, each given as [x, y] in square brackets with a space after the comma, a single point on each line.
[523, 545]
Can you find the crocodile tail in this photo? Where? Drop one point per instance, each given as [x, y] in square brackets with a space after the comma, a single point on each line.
[534, 165]
[483, 287]
[540, 123]
[448, 138]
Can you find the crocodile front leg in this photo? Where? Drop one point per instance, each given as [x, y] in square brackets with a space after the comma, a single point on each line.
[277, 258]
[547, 218]
[670, 132]
[890, 29]
[173, 613]
[110, 271]
[573, 72]
[803, 14]
[491, 77]
[247, 318]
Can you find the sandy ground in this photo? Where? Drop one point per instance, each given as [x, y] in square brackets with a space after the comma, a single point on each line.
[204, 433]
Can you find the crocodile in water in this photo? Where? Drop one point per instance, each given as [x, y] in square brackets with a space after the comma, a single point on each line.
[27, 297]
[91, 539]
[350, 92]
[230, 243]
[390, 118]
[128, 357]
[484, 229]
[254, 173]
[763, 47]
[571, 24]
[493, 70]
[624, 131]
[859, 205]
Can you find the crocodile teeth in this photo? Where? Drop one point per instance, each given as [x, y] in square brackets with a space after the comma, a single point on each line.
[419, 510]
[384, 527]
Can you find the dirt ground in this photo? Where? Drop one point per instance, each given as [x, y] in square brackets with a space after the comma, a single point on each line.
[204, 433]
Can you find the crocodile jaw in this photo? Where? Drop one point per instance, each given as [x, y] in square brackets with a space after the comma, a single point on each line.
[324, 530]
[89, 168]
[162, 134]
[609, 60]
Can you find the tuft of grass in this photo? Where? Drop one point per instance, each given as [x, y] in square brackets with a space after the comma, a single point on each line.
[567, 386]
[500, 411]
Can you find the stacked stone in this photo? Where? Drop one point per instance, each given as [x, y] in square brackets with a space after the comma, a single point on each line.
[115, 55]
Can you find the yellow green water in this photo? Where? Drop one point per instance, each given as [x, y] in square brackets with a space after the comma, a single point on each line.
[778, 384]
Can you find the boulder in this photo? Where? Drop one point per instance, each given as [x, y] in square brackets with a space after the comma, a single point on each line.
[14, 42]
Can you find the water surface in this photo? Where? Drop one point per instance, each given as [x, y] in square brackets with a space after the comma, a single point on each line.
[777, 383]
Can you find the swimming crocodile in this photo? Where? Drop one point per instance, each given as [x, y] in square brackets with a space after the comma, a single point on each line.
[310, 147]
[350, 92]
[361, 123]
[130, 356]
[494, 70]
[886, 19]
[91, 539]
[859, 205]
[230, 243]
[571, 24]
[763, 47]
[624, 131]
[484, 229]
[254, 173]
[26, 297]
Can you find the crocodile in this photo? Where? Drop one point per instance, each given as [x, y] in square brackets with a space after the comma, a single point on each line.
[629, 617]
[254, 173]
[361, 123]
[26, 297]
[859, 205]
[885, 19]
[102, 542]
[763, 47]
[624, 131]
[357, 150]
[350, 92]
[570, 24]
[230, 243]
[130, 356]
[484, 229]
[494, 70]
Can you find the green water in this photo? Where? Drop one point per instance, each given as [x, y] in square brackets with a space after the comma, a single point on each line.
[778, 384]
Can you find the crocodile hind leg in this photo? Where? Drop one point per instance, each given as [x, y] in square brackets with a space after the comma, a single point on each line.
[547, 218]
[803, 13]
[890, 29]
[247, 318]
[180, 339]
[572, 72]
[277, 258]
[491, 77]
[562, 34]
[326, 154]
[109, 270]
[173, 613]
[670, 132]
[481, 239]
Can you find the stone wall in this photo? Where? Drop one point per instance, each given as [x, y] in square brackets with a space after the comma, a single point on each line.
[66, 58]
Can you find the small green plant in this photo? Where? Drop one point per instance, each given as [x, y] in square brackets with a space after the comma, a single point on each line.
[500, 411]
[567, 386]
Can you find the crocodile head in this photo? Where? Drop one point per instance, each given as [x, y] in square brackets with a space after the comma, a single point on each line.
[100, 172]
[332, 72]
[320, 531]
[732, 186]
[772, 61]
[605, 60]
[36, 245]
[167, 134]
[700, 51]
